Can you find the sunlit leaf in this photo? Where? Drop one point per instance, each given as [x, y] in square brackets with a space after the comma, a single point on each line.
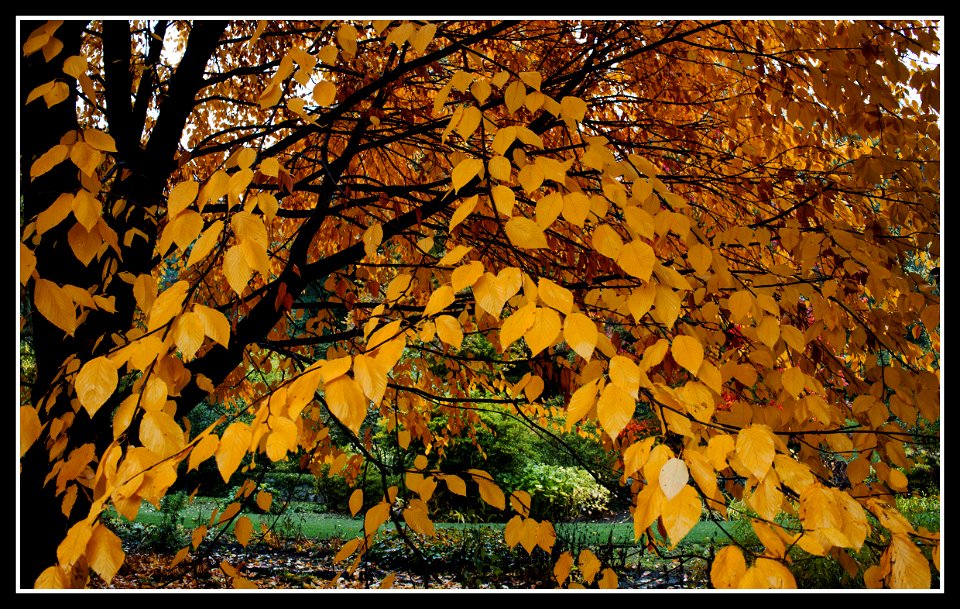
[95, 383]
[525, 233]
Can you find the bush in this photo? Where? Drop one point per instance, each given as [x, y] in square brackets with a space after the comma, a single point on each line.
[560, 492]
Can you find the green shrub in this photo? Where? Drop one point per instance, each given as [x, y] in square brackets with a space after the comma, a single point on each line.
[559, 492]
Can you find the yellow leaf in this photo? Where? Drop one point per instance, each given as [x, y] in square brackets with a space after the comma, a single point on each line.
[356, 501]
[614, 409]
[30, 428]
[625, 374]
[489, 491]
[793, 337]
[699, 256]
[516, 325]
[589, 565]
[282, 438]
[232, 447]
[347, 39]
[688, 352]
[55, 214]
[455, 484]
[561, 570]
[204, 449]
[264, 500]
[640, 300]
[513, 530]
[95, 383]
[324, 93]
[28, 262]
[417, 518]
[681, 513]
[767, 573]
[609, 580]
[181, 196]
[666, 306]
[466, 170]
[756, 449]
[573, 108]
[524, 232]
[58, 92]
[673, 477]
[346, 401]
[794, 381]
[553, 295]
[74, 544]
[99, 140]
[546, 536]
[205, 243]
[74, 65]
[544, 331]
[549, 209]
[513, 96]
[161, 434]
[441, 298]
[371, 376]
[236, 269]
[449, 330]
[347, 549]
[607, 242]
[48, 160]
[637, 258]
[503, 199]
[499, 167]
[52, 578]
[728, 568]
[86, 208]
[242, 530]
[528, 534]
[376, 516]
[469, 122]
[581, 402]
[164, 307]
[188, 334]
[463, 211]
[580, 333]
[531, 176]
[85, 156]
[215, 324]
[104, 552]
[794, 474]
[740, 303]
[768, 330]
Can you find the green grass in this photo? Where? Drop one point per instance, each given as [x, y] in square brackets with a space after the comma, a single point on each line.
[305, 520]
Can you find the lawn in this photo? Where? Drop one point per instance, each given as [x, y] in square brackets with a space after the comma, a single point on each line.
[299, 552]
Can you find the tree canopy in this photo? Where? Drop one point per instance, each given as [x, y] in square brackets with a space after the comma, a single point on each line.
[336, 227]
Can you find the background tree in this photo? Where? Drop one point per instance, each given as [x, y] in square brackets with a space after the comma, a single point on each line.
[327, 226]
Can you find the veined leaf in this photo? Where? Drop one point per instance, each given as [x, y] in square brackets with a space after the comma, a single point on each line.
[466, 170]
[449, 330]
[756, 449]
[673, 477]
[463, 211]
[688, 352]
[728, 568]
[104, 552]
[346, 401]
[95, 383]
[614, 409]
[544, 331]
[233, 446]
[581, 334]
[637, 259]
[524, 232]
[441, 298]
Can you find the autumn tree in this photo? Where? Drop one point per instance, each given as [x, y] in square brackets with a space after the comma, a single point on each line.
[730, 224]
